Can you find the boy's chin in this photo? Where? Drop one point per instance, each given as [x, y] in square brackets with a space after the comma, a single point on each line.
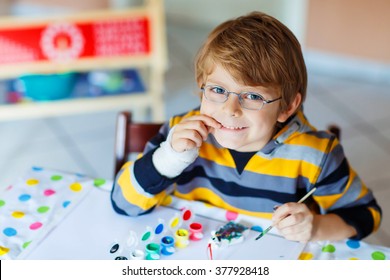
[228, 143]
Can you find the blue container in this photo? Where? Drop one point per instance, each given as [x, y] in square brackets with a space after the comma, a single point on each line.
[46, 87]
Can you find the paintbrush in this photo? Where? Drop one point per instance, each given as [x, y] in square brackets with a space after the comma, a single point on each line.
[300, 201]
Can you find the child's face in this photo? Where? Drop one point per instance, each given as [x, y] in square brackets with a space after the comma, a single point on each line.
[242, 129]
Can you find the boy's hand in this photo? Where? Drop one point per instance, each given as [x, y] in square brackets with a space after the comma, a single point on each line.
[294, 221]
[192, 131]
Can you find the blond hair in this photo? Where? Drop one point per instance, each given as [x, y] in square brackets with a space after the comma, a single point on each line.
[257, 50]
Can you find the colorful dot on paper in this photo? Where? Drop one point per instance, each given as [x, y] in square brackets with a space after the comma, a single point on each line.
[377, 255]
[114, 248]
[10, 231]
[65, 203]
[43, 209]
[305, 256]
[257, 228]
[25, 244]
[99, 182]
[56, 177]
[17, 214]
[329, 248]
[76, 187]
[187, 215]
[24, 197]
[159, 229]
[48, 192]
[231, 216]
[146, 236]
[3, 250]
[353, 244]
[353, 259]
[35, 226]
[2, 203]
[175, 222]
[32, 182]
[37, 168]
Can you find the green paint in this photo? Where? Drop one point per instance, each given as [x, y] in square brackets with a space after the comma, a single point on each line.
[146, 236]
[329, 248]
[99, 182]
[377, 255]
[2, 203]
[25, 244]
[56, 177]
[43, 209]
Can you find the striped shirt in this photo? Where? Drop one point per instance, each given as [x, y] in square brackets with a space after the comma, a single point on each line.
[294, 161]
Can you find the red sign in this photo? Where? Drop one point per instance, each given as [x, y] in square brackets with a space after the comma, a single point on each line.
[71, 41]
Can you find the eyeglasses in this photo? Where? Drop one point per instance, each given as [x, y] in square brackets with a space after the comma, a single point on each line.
[248, 100]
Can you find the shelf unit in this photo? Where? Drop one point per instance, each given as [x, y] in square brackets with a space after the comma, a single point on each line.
[152, 57]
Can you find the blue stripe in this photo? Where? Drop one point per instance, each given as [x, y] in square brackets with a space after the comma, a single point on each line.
[234, 189]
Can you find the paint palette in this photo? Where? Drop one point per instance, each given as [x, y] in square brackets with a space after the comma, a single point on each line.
[229, 234]
[166, 235]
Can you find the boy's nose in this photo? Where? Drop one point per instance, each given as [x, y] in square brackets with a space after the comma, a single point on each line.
[232, 105]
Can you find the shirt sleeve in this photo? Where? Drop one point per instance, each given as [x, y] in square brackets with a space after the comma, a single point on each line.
[341, 191]
[138, 187]
[142, 184]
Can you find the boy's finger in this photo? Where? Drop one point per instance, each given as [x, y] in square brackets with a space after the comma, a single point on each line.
[209, 121]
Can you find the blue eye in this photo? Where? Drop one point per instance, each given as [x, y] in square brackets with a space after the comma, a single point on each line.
[253, 96]
[218, 90]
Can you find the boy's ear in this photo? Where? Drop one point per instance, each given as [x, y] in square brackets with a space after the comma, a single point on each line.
[283, 116]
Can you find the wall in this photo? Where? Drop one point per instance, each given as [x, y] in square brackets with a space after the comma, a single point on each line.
[73, 4]
[212, 13]
[353, 28]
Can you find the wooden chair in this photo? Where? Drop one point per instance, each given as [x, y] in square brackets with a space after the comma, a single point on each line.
[335, 129]
[131, 137]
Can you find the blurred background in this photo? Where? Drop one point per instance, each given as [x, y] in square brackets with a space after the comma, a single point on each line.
[346, 45]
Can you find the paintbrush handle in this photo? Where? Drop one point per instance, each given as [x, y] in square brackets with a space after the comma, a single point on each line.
[300, 201]
[307, 195]
[264, 232]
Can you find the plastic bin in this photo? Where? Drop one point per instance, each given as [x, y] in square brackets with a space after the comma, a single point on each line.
[45, 87]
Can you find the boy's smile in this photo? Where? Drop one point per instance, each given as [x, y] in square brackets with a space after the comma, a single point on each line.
[242, 129]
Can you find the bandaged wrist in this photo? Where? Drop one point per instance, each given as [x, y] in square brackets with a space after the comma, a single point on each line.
[170, 163]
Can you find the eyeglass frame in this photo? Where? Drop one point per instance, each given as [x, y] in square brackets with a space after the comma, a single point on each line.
[240, 99]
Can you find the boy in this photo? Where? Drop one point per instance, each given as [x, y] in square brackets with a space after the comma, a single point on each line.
[249, 147]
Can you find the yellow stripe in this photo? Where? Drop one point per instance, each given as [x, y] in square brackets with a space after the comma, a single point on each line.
[311, 141]
[283, 167]
[220, 156]
[209, 196]
[127, 164]
[175, 120]
[377, 218]
[135, 198]
[328, 200]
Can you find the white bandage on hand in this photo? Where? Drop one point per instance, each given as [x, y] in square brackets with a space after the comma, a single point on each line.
[170, 163]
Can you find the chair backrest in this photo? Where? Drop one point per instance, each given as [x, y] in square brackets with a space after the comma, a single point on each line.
[336, 130]
[131, 137]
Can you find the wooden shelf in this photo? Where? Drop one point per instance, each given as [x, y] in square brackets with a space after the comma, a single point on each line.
[78, 106]
[149, 18]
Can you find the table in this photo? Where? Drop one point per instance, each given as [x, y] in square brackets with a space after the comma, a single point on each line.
[74, 219]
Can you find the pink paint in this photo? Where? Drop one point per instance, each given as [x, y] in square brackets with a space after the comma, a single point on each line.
[231, 216]
[35, 226]
[49, 192]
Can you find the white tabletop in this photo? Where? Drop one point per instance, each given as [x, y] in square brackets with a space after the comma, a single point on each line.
[45, 227]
